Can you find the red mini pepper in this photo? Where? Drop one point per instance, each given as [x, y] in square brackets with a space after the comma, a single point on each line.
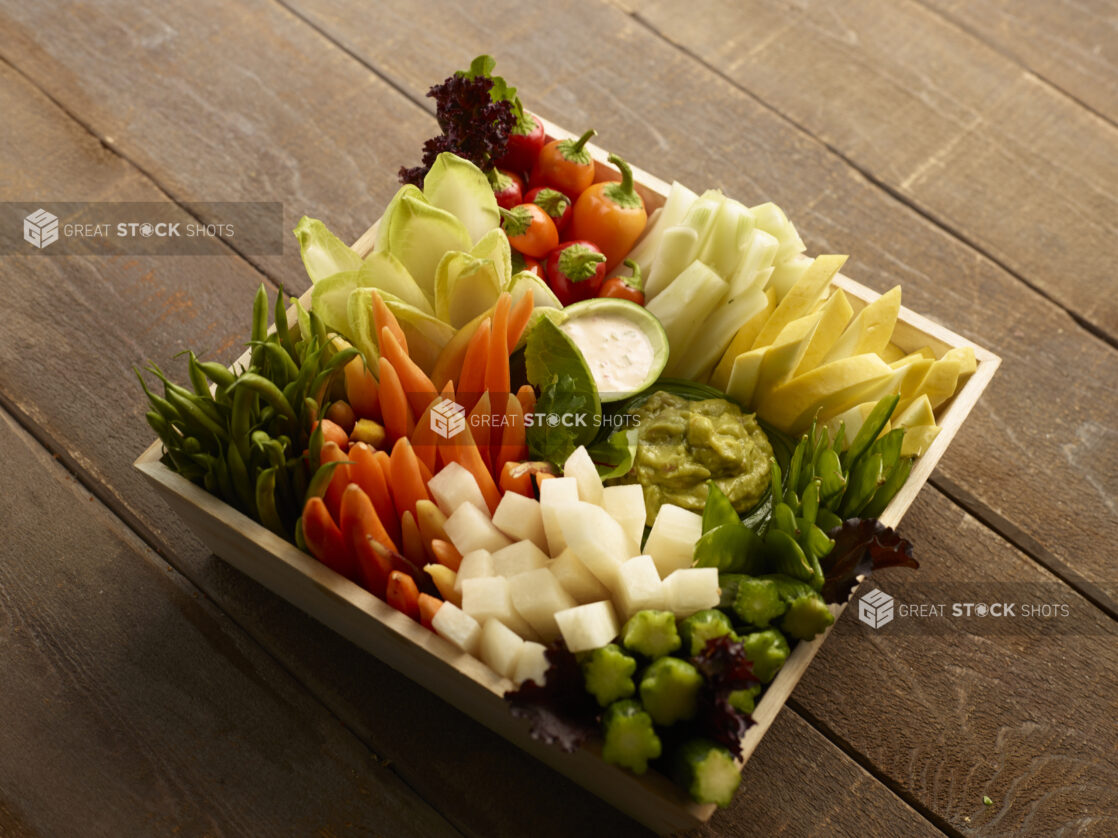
[575, 271]
[508, 188]
[565, 165]
[525, 142]
[611, 215]
[629, 288]
[530, 230]
[554, 203]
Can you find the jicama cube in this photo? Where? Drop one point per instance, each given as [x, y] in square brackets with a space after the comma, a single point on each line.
[488, 597]
[582, 469]
[625, 504]
[597, 540]
[671, 541]
[500, 647]
[519, 557]
[638, 586]
[520, 518]
[691, 589]
[452, 486]
[469, 529]
[576, 580]
[477, 564]
[532, 665]
[452, 623]
[536, 596]
[556, 494]
[588, 626]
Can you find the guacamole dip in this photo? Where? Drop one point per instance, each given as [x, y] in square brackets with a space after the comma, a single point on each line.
[682, 444]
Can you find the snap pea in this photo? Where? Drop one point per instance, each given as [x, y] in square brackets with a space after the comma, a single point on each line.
[864, 481]
[831, 475]
[809, 500]
[279, 317]
[870, 430]
[785, 519]
[888, 490]
[784, 555]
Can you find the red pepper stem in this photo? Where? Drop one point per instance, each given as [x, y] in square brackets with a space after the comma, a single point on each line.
[578, 262]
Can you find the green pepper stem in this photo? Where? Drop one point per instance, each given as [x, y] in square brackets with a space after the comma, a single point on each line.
[583, 140]
[623, 194]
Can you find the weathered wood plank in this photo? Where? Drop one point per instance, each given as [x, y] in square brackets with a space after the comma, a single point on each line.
[1072, 45]
[963, 711]
[223, 102]
[1011, 164]
[153, 308]
[132, 707]
[1046, 418]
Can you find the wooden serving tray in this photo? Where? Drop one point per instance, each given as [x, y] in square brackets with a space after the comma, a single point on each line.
[463, 680]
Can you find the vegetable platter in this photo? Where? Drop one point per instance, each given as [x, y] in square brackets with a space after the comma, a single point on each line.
[448, 525]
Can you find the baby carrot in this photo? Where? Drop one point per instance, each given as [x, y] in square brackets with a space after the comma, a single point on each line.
[418, 388]
[399, 420]
[325, 540]
[333, 432]
[339, 479]
[497, 362]
[361, 389]
[359, 518]
[407, 481]
[402, 594]
[383, 318]
[519, 316]
[481, 428]
[428, 607]
[526, 395]
[446, 554]
[513, 440]
[424, 440]
[367, 473]
[516, 479]
[471, 382]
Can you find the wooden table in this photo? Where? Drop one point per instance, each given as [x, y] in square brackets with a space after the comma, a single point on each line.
[966, 150]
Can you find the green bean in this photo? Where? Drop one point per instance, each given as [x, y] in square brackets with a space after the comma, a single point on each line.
[794, 466]
[158, 424]
[300, 541]
[197, 377]
[191, 413]
[279, 357]
[242, 484]
[279, 316]
[215, 372]
[321, 479]
[266, 502]
[268, 391]
[191, 445]
[163, 407]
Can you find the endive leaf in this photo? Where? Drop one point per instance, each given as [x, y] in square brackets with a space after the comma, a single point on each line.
[324, 254]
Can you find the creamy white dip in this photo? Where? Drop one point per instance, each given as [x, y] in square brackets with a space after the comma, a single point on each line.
[618, 353]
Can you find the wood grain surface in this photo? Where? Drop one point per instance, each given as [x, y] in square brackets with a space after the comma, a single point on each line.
[132, 706]
[185, 302]
[937, 116]
[1000, 230]
[1073, 46]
